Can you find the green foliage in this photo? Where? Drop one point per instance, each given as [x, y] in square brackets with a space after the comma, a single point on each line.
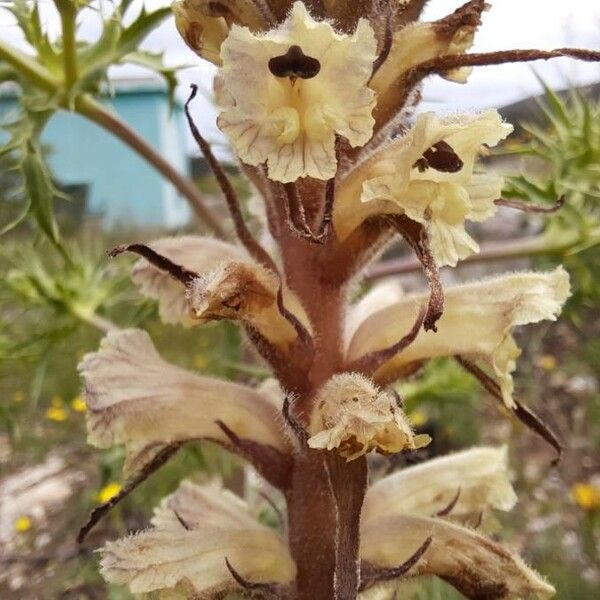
[45, 296]
[64, 74]
[446, 397]
[562, 156]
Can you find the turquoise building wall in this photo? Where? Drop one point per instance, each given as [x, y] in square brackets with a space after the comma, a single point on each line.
[122, 188]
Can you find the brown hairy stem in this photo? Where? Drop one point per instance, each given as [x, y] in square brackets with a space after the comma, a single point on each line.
[417, 238]
[161, 262]
[243, 233]
[442, 64]
[349, 485]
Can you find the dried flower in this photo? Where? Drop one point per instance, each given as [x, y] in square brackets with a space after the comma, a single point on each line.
[195, 253]
[289, 91]
[244, 292]
[353, 416]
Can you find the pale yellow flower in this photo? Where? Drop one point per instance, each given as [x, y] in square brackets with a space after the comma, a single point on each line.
[353, 416]
[136, 398]
[489, 309]
[428, 175]
[109, 491]
[587, 496]
[193, 531]
[18, 397]
[202, 32]
[477, 477]
[286, 93]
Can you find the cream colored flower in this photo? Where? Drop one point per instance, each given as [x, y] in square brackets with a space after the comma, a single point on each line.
[289, 91]
[479, 475]
[195, 253]
[202, 31]
[245, 292]
[428, 175]
[467, 560]
[477, 322]
[194, 531]
[381, 295]
[354, 416]
[418, 43]
[136, 398]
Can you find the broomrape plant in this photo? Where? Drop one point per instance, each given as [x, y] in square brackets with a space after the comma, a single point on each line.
[316, 99]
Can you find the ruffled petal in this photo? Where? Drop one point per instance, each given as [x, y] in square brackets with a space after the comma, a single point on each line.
[405, 178]
[194, 531]
[478, 478]
[490, 309]
[136, 398]
[470, 562]
[290, 122]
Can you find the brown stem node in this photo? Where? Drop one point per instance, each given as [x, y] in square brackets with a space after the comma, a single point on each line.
[272, 464]
[371, 574]
[370, 363]
[161, 262]
[293, 423]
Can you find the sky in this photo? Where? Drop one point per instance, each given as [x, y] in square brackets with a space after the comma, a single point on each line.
[508, 24]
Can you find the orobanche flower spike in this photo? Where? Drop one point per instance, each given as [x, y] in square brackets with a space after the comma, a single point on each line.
[317, 99]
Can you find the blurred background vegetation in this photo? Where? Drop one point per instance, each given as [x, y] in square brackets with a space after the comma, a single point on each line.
[59, 293]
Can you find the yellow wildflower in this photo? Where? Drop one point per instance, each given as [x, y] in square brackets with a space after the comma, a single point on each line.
[56, 413]
[200, 361]
[22, 524]
[78, 404]
[18, 397]
[418, 418]
[547, 362]
[110, 490]
[587, 496]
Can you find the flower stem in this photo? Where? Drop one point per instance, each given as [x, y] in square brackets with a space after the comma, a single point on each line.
[524, 248]
[93, 110]
[68, 16]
